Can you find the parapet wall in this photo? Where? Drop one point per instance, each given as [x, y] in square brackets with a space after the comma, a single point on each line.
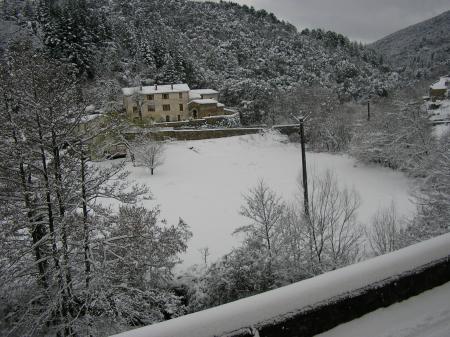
[318, 304]
[358, 303]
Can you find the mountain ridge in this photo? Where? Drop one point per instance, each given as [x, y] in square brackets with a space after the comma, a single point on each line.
[420, 50]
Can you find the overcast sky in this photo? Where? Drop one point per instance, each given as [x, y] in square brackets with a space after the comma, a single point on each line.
[361, 20]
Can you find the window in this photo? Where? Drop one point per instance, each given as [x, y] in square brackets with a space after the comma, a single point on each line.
[135, 109]
[179, 117]
[150, 108]
[167, 118]
[180, 95]
[181, 107]
[166, 107]
[165, 96]
[150, 97]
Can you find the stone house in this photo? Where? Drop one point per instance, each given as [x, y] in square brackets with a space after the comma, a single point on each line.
[170, 103]
[439, 89]
[158, 103]
[205, 103]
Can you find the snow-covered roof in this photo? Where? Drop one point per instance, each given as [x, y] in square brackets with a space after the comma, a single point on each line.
[204, 91]
[205, 101]
[443, 83]
[90, 108]
[155, 89]
[220, 105]
[89, 118]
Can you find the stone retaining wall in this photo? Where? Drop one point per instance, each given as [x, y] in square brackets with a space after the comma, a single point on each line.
[202, 134]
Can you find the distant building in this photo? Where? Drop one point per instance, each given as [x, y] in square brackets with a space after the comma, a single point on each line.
[160, 103]
[170, 103]
[439, 89]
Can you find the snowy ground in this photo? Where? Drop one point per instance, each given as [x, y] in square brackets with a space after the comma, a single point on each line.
[425, 315]
[203, 182]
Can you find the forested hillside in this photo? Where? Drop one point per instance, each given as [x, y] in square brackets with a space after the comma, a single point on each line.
[248, 55]
[421, 50]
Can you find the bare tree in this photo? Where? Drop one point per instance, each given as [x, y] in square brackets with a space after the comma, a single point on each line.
[332, 230]
[384, 232]
[265, 209]
[150, 153]
[291, 242]
[204, 252]
[138, 99]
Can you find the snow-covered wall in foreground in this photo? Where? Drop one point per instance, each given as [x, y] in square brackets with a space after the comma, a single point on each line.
[301, 296]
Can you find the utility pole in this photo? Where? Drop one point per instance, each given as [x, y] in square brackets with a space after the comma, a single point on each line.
[307, 218]
[304, 173]
[368, 110]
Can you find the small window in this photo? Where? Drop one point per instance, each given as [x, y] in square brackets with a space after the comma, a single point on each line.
[180, 95]
[181, 107]
[135, 109]
[166, 107]
[165, 96]
[179, 117]
[167, 118]
[150, 108]
[150, 97]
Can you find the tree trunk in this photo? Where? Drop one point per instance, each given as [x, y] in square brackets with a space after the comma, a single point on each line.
[62, 210]
[37, 230]
[51, 225]
[87, 264]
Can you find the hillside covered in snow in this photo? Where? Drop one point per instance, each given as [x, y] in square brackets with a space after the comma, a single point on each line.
[247, 54]
[420, 50]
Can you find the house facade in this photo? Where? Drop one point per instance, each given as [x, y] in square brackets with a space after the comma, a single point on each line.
[439, 89]
[207, 107]
[158, 103]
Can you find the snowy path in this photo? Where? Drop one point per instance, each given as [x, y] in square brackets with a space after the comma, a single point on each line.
[426, 315]
[203, 182]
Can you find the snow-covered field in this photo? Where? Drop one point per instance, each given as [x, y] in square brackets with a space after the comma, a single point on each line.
[203, 182]
[425, 315]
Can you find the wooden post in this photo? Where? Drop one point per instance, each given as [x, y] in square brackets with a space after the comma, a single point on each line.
[304, 173]
[368, 110]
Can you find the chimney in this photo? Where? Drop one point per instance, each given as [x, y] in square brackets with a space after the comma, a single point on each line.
[171, 86]
[156, 86]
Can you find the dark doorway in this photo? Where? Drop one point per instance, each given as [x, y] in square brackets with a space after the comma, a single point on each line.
[167, 118]
[194, 113]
